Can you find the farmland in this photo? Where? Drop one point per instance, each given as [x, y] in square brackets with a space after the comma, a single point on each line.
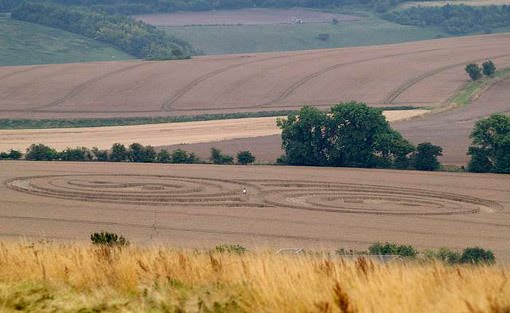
[24, 43]
[202, 205]
[157, 134]
[420, 74]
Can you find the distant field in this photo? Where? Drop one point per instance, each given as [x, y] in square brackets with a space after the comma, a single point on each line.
[456, 2]
[419, 74]
[24, 43]
[369, 30]
[244, 17]
[156, 134]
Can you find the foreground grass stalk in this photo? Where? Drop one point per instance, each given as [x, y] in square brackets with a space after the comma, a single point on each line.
[70, 278]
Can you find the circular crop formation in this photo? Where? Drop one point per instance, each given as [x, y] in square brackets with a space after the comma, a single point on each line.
[301, 195]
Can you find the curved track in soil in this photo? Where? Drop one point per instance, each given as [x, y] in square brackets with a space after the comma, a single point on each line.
[420, 73]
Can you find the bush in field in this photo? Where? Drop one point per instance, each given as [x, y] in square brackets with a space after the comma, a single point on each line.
[40, 152]
[163, 156]
[245, 157]
[226, 248]
[477, 256]
[393, 249]
[474, 71]
[425, 157]
[489, 69]
[218, 158]
[76, 154]
[180, 156]
[11, 155]
[119, 153]
[100, 155]
[108, 239]
[490, 147]
[141, 154]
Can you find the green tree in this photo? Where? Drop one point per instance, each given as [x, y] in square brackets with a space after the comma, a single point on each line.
[303, 137]
[489, 69]
[141, 154]
[218, 158]
[393, 249]
[163, 156]
[245, 157]
[490, 147]
[474, 71]
[351, 134]
[119, 153]
[40, 152]
[425, 158]
[76, 154]
[180, 156]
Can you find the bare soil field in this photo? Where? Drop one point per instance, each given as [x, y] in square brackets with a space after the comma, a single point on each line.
[202, 205]
[155, 134]
[243, 17]
[422, 73]
[449, 129]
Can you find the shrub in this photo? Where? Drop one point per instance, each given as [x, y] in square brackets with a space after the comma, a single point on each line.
[474, 71]
[489, 69]
[425, 157]
[76, 154]
[179, 156]
[108, 239]
[163, 156]
[226, 248]
[393, 249]
[448, 256]
[11, 155]
[41, 152]
[218, 158]
[119, 153]
[100, 155]
[478, 256]
[141, 154]
[245, 157]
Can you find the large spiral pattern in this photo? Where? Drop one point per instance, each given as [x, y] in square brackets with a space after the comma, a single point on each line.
[204, 192]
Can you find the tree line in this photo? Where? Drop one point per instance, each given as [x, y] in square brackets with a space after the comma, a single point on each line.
[454, 19]
[134, 37]
[135, 152]
[355, 135]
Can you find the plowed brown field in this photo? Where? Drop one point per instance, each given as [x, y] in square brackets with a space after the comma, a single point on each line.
[420, 73]
[202, 205]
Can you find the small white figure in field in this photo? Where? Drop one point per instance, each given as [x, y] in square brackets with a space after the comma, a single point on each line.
[244, 190]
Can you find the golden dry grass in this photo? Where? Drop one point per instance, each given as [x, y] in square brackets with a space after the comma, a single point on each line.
[156, 134]
[69, 278]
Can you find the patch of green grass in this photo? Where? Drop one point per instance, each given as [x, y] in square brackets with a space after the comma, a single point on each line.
[369, 30]
[472, 89]
[24, 43]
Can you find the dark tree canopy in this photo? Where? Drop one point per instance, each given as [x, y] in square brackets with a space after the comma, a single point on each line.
[217, 157]
[40, 152]
[425, 157]
[351, 135]
[489, 69]
[474, 71]
[245, 157]
[490, 149]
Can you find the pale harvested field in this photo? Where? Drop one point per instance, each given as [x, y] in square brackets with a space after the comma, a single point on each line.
[423, 73]
[202, 205]
[244, 17]
[155, 134]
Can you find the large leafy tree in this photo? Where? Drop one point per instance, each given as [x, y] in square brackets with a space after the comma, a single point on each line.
[425, 158]
[490, 149]
[350, 134]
